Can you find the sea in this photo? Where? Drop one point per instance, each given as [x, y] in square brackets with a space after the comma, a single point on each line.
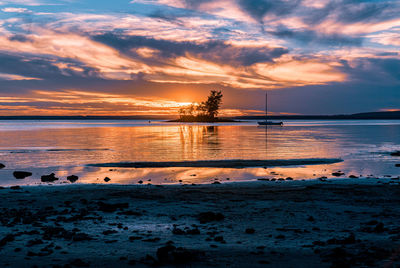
[70, 148]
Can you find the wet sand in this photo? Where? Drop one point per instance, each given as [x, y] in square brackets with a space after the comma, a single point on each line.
[287, 224]
[235, 163]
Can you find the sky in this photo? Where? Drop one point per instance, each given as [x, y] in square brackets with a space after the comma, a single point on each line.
[150, 57]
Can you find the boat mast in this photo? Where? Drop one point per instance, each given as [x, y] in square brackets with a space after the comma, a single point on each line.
[266, 106]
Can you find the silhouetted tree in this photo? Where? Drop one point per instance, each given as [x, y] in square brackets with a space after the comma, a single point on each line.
[213, 103]
[204, 111]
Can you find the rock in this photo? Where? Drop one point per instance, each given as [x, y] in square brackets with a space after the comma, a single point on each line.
[132, 262]
[49, 232]
[81, 237]
[111, 207]
[140, 182]
[178, 231]
[72, 178]
[250, 231]
[2, 166]
[79, 263]
[15, 187]
[21, 174]
[338, 174]
[108, 232]
[165, 254]
[353, 177]
[194, 231]
[169, 254]
[107, 179]
[379, 228]
[397, 153]
[219, 238]
[216, 182]
[397, 165]
[155, 239]
[289, 178]
[351, 239]
[311, 218]
[133, 238]
[206, 217]
[339, 257]
[8, 238]
[49, 178]
[130, 213]
[319, 243]
[34, 242]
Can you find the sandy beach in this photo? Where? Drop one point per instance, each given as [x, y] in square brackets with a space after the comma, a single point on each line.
[333, 223]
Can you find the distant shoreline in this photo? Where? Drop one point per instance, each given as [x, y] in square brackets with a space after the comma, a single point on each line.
[359, 116]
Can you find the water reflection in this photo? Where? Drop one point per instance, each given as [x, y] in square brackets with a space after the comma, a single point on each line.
[68, 150]
[194, 138]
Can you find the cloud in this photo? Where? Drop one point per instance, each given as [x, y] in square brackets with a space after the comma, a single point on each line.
[22, 2]
[302, 72]
[314, 37]
[214, 50]
[15, 10]
[75, 102]
[386, 38]
[376, 71]
[105, 60]
[258, 9]
[4, 76]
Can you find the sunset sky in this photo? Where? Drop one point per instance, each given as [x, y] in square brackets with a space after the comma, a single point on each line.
[148, 57]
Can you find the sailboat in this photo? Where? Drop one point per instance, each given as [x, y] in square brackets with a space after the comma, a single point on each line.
[266, 122]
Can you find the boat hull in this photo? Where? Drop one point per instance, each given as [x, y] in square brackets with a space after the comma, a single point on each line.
[270, 123]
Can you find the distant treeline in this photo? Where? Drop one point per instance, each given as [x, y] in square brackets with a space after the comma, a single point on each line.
[358, 116]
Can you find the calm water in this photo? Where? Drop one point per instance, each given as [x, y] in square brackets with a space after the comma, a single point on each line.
[66, 147]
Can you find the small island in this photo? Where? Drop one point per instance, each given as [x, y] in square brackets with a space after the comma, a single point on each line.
[205, 112]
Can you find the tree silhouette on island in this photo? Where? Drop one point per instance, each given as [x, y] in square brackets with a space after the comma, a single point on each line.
[206, 111]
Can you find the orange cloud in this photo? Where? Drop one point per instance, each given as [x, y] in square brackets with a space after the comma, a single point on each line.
[301, 72]
[4, 76]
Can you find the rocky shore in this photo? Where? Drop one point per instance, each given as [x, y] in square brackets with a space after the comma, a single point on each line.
[259, 224]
